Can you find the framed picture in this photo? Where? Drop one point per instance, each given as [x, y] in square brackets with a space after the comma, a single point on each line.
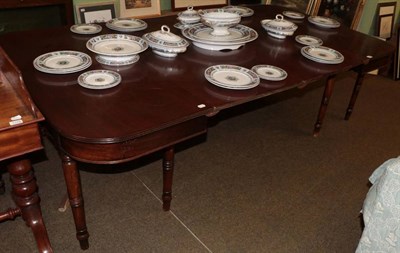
[95, 13]
[347, 12]
[385, 19]
[306, 6]
[183, 4]
[140, 8]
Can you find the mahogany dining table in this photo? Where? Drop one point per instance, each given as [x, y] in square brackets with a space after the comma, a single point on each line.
[164, 101]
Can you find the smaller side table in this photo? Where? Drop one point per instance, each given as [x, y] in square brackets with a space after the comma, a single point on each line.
[19, 135]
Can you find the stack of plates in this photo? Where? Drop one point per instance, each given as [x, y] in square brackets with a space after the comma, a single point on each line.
[231, 77]
[126, 24]
[117, 49]
[322, 54]
[201, 37]
[324, 21]
[62, 62]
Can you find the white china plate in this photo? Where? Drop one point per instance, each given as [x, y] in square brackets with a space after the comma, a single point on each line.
[62, 62]
[231, 77]
[322, 54]
[241, 10]
[324, 21]
[293, 14]
[201, 37]
[117, 61]
[308, 40]
[126, 24]
[269, 72]
[86, 28]
[117, 45]
[99, 79]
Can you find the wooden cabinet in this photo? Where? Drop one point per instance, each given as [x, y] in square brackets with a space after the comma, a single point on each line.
[66, 7]
[19, 135]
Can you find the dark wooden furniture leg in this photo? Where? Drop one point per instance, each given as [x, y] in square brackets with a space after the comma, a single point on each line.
[2, 185]
[356, 90]
[324, 104]
[73, 182]
[24, 193]
[168, 171]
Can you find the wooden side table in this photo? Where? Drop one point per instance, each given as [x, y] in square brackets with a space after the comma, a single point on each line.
[19, 135]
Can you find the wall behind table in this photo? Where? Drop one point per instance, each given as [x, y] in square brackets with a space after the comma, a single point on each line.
[368, 20]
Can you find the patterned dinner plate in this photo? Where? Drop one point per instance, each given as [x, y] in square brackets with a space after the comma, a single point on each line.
[86, 28]
[308, 40]
[99, 79]
[62, 62]
[231, 77]
[293, 14]
[241, 10]
[324, 21]
[270, 73]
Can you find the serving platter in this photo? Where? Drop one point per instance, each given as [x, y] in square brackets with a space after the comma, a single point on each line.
[269, 72]
[86, 28]
[241, 10]
[62, 62]
[201, 36]
[126, 24]
[322, 54]
[308, 40]
[99, 79]
[117, 45]
[324, 22]
[231, 77]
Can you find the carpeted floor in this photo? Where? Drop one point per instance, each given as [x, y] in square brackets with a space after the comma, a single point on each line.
[257, 182]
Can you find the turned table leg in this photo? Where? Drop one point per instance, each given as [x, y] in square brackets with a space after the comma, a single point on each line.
[2, 185]
[324, 104]
[168, 171]
[24, 193]
[73, 182]
[356, 90]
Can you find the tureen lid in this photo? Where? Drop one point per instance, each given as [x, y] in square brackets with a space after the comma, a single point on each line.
[189, 13]
[165, 39]
[279, 23]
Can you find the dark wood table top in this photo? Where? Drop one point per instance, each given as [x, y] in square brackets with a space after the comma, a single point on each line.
[158, 92]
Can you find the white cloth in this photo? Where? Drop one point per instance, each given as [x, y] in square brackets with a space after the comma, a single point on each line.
[381, 211]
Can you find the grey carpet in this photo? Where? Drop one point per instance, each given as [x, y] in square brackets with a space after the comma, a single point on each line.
[258, 182]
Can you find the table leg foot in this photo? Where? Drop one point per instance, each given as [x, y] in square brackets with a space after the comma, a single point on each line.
[324, 105]
[73, 182]
[168, 170]
[24, 192]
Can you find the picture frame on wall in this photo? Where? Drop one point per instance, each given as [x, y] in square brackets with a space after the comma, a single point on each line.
[95, 13]
[346, 12]
[183, 4]
[309, 7]
[385, 19]
[140, 8]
